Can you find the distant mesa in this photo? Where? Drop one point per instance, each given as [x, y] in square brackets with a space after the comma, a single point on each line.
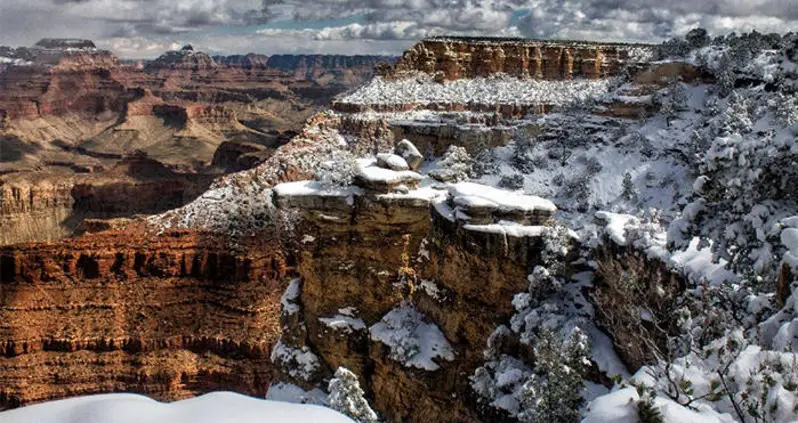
[65, 43]
[184, 59]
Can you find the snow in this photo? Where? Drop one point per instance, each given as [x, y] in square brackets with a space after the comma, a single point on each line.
[431, 288]
[289, 297]
[393, 161]
[469, 194]
[288, 392]
[217, 407]
[369, 171]
[508, 228]
[789, 237]
[492, 90]
[314, 188]
[412, 340]
[620, 407]
[14, 61]
[615, 226]
[299, 363]
[343, 323]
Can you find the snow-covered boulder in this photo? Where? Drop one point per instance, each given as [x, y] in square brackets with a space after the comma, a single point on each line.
[315, 195]
[483, 204]
[392, 161]
[410, 153]
[373, 177]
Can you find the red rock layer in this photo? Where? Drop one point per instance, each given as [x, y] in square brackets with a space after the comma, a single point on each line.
[455, 58]
[169, 316]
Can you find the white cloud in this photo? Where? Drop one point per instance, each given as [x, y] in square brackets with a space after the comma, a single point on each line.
[141, 28]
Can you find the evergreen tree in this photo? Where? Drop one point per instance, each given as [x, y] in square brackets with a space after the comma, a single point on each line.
[346, 396]
[554, 393]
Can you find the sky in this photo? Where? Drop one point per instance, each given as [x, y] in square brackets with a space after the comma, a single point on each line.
[147, 28]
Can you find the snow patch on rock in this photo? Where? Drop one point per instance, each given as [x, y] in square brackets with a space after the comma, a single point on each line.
[412, 340]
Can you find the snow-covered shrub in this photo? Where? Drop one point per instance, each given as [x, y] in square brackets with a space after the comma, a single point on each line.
[732, 376]
[629, 188]
[675, 47]
[455, 165]
[578, 189]
[484, 163]
[514, 181]
[647, 410]
[636, 304]
[785, 108]
[746, 186]
[698, 38]
[339, 170]
[672, 100]
[412, 340]
[299, 363]
[347, 397]
[554, 392]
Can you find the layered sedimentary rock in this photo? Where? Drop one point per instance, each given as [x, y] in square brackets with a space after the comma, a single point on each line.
[367, 253]
[68, 108]
[454, 58]
[53, 206]
[169, 316]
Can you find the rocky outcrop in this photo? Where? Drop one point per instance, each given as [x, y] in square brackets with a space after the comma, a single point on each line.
[453, 58]
[185, 59]
[246, 61]
[169, 316]
[366, 253]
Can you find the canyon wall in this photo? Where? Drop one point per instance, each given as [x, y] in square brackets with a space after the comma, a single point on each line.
[454, 58]
[373, 253]
[169, 316]
[69, 113]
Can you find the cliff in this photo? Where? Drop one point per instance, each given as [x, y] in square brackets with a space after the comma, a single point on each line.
[455, 58]
[368, 254]
[184, 59]
[53, 206]
[170, 316]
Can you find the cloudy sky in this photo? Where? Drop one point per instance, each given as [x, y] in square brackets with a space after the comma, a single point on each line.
[146, 28]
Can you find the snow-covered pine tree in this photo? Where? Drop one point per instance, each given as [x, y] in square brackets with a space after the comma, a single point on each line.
[347, 397]
[554, 393]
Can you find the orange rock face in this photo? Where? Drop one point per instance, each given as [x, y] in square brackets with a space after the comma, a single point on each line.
[169, 316]
[455, 58]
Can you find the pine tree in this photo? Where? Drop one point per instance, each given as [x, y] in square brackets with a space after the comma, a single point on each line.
[629, 189]
[554, 393]
[347, 397]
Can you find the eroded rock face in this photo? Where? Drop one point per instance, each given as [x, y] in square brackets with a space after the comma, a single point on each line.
[455, 58]
[368, 254]
[68, 109]
[169, 316]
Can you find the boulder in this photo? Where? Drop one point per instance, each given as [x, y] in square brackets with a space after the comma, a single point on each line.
[392, 161]
[410, 153]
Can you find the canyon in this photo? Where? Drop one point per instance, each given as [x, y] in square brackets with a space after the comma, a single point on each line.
[397, 270]
[73, 118]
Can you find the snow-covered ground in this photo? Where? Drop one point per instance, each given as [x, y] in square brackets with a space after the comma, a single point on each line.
[421, 89]
[218, 407]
